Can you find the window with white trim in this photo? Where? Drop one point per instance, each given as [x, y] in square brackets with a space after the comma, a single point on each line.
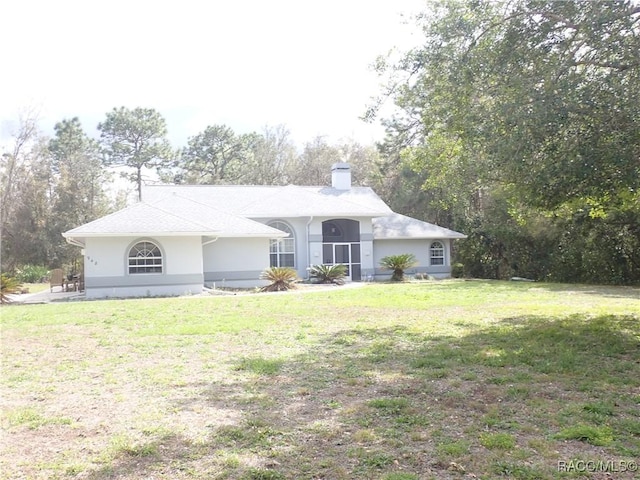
[436, 253]
[145, 257]
[282, 251]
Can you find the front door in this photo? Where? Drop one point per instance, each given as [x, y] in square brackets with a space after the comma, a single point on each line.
[347, 254]
[342, 254]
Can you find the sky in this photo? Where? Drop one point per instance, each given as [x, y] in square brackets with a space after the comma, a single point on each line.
[242, 63]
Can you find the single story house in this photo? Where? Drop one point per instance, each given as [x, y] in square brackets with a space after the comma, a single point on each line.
[181, 238]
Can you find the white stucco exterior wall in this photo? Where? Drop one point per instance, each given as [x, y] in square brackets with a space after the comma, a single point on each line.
[235, 262]
[106, 267]
[420, 249]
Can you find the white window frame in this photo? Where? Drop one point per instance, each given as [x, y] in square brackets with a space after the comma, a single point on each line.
[437, 253]
[282, 247]
[148, 258]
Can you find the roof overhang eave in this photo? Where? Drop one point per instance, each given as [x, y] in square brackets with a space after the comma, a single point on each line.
[320, 214]
[422, 237]
[138, 234]
[71, 237]
[253, 235]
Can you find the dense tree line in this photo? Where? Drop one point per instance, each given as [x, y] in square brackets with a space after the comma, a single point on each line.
[519, 124]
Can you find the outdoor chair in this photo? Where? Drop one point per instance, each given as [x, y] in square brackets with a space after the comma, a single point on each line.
[56, 278]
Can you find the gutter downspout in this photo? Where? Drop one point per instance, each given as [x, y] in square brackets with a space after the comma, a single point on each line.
[202, 268]
[308, 245]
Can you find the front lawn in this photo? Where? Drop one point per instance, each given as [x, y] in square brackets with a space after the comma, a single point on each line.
[451, 379]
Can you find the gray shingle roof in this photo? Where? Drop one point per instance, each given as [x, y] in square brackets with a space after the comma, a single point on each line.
[227, 211]
[278, 201]
[173, 215]
[400, 226]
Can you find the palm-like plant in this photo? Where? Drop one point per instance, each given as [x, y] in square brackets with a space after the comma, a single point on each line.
[8, 285]
[281, 278]
[398, 263]
[329, 273]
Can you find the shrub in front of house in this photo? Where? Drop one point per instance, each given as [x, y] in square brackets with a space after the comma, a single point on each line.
[280, 278]
[32, 273]
[328, 273]
[457, 270]
[398, 264]
[8, 286]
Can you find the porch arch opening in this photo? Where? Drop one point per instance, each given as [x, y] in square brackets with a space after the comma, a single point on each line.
[341, 245]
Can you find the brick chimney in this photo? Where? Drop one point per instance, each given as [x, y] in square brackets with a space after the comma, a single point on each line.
[341, 176]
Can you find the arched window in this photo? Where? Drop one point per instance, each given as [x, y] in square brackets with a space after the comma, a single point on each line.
[145, 257]
[282, 251]
[436, 253]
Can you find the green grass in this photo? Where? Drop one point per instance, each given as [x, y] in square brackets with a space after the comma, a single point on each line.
[499, 441]
[599, 436]
[387, 381]
[259, 366]
[33, 419]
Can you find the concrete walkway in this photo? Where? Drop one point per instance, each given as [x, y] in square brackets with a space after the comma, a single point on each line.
[46, 296]
[61, 296]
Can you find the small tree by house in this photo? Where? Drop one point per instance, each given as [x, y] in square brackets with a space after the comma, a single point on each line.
[328, 273]
[281, 278]
[8, 286]
[398, 263]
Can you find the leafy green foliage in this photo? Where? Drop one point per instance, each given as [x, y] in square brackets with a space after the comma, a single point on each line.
[31, 273]
[398, 263]
[8, 286]
[27, 183]
[216, 155]
[520, 126]
[273, 156]
[329, 273]
[48, 186]
[80, 180]
[137, 139]
[281, 278]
